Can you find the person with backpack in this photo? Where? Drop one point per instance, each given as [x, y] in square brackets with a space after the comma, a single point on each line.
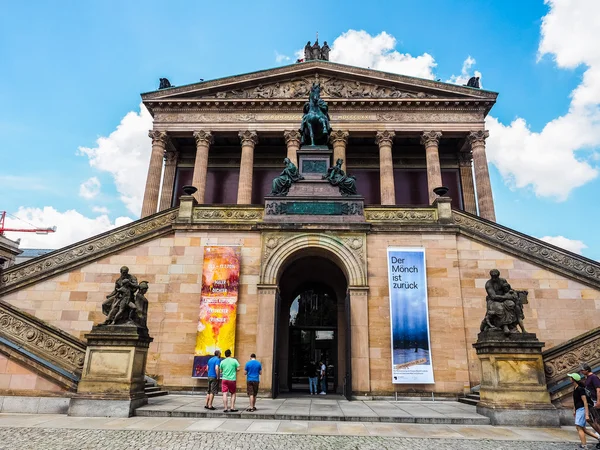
[581, 405]
[592, 389]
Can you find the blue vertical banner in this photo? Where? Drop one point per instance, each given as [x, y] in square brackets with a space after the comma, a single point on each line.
[409, 316]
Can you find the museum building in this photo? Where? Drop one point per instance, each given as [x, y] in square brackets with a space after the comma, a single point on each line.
[314, 278]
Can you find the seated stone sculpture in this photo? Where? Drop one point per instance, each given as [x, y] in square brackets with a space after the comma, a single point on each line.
[126, 304]
[281, 184]
[337, 177]
[504, 306]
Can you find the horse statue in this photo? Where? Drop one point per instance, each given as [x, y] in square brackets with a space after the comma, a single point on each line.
[315, 128]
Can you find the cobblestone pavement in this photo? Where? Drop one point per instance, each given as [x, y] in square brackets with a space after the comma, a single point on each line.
[88, 439]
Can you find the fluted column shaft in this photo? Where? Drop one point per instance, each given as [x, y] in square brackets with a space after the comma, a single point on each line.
[485, 200]
[386, 167]
[466, 181]
[292, 141]
[204, 139]
[150, 202]
[166, 193]
[248, 139]
[431, 141]
[339, 140]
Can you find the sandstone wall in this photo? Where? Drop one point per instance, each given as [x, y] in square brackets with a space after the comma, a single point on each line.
[19, 380]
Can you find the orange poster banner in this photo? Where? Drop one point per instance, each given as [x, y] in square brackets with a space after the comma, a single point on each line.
[218, 301]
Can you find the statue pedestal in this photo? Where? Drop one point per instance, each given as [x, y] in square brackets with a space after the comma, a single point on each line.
[112, 380]
[313, 161]
[513, 383]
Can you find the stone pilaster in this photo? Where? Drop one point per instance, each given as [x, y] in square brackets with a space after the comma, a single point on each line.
[166, 196]
[150, 202]
[386, 167]
[465, 160]
[248, 140]
[292, 140]
[431, 141]
[204, 139]
[339, 140]
[485, 199]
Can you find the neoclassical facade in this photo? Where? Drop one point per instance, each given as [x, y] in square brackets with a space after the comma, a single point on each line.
[316, 287]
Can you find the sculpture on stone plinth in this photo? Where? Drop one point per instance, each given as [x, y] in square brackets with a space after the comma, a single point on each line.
[281, 185]
[504, 306]
[337, 177]
[315, 127]
[126, 304]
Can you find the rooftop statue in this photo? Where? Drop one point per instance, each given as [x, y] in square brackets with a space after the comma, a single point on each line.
[504, 306]
[126, 304]
[164, 83]
[281, 184]
[315, 128]
[337, 177]
[473, 82]
[316, 52]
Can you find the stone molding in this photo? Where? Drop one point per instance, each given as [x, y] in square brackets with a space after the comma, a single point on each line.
[204, 138]
[395, 215]
[539, 252]
[170, 157]
[348, 250]
[248, 138]
[227, 214]
[46, 342]
[465, 159]
[292, 137]
[431, 138]
[158, 137]
[385, 137]
[86, 251]
[339, 136]
[478, 137]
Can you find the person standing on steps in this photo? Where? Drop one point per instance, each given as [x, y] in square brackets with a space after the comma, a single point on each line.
[253, 370]
[229, 368]
[323, 377]
[592, 386]
[581, 409]
[311, 373]
[213, 379]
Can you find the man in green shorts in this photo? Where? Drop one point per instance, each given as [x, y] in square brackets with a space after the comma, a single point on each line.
[229, 368]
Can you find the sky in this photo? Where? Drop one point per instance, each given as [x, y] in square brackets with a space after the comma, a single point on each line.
[74, 146]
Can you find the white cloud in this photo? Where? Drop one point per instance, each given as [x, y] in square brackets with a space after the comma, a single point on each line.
[100, 209]
[279, 58]
[71, 226]
[359, 48]
[572, 245]
[560, 157]
[464, 76]
[125, 154]
[90, 188]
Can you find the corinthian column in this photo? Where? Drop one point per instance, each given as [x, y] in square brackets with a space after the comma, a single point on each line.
[339, 140]
[166, 195]
[249, 139]
[431, 141]
[485, 200]
[466, 180]
[159, 141]
[292, 140]
[203, 141]
[386, 167]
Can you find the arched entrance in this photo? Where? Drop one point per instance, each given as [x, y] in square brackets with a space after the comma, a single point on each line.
[311, 321]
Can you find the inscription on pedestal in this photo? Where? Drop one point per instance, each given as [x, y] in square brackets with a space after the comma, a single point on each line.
[314, 208]
[314, 166]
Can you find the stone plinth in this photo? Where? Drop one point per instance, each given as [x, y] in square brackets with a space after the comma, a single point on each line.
[513, 383]
[313, 161]
[112, 380]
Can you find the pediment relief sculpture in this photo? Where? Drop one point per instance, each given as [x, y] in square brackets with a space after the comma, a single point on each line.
[331, 87]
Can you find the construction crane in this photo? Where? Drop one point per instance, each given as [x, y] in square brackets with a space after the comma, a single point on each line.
[23, 230]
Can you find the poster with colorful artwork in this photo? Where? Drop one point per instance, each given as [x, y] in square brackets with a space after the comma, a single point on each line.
[218, 301]
[409, 316]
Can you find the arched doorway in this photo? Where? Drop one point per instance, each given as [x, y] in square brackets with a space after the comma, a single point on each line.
[311, 322]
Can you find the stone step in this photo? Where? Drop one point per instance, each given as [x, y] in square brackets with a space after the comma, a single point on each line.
[148, 389]
[473, 396]
[158, 393]
[469, 401]
[142, 412]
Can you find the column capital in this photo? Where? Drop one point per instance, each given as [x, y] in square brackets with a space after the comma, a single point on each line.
[158, 137]
[385, 137]
[340, 136]
[478, 137]
[465, 159]
[203, 138]
[429, 138]
[170, 156]
[292, 137]
[248, 138]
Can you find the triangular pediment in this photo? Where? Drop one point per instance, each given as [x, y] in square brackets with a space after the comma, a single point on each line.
[337, 81]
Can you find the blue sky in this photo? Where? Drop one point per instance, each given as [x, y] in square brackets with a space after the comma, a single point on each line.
[71, 71]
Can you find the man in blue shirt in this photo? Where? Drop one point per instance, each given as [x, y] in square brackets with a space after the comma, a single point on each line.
[253, 370]
[213, 379]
